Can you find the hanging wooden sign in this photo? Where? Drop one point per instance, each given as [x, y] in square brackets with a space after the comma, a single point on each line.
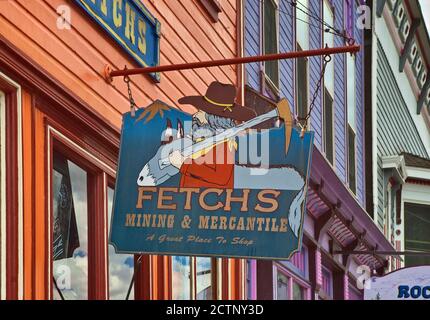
[211, 183]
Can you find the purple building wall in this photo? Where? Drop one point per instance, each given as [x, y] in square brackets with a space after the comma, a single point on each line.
[262, 272]
[287, 77]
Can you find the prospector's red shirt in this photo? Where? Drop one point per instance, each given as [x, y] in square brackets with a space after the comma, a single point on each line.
[214, 172]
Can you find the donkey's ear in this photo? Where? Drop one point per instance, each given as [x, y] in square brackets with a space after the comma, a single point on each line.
[167, 135]
[180, 130]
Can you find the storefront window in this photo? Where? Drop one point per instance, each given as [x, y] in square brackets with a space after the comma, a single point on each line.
[204, 278]
[121, 266]
[70, 230]
[181, 280]
[282, 290]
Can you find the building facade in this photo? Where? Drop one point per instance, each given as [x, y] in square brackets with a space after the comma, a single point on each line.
[336, 218]
[60, 137]
[397, 126]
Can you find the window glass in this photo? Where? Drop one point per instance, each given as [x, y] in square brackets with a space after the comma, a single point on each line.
[70, 229]
[329, 41]
[181, 274]
[302, 85]
[204, 278]
[302, 24]
[298, 292]
[351, 159]
[282, 292]
[328, 128]
[350, 69]
[121, 266]
[271, 40]
[417, 233]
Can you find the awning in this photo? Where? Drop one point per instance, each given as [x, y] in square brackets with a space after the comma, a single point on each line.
[337, 211]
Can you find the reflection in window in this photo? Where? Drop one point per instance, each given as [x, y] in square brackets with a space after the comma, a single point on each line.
[121, 266]
[204, 278]
[282, 292]
[298, 292]
[70, 229]
[181, 272]
[417, 233]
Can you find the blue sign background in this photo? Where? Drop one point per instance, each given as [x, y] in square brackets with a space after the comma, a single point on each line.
[140, 142]
[105, 18]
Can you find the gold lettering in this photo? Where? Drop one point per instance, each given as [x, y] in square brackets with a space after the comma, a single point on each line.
[146, 220]
[130, 17]
[261, 197]
[284, 223]
[260, 223]
[250, 223]
[162, 221]
[244, 200]
[214, 221]
[117, 17]
[240, 225]
[223, 223]
[232, 223]
[103, 7]
[275, 227]
[189, 192]
[129, 219]
[142, 196]
[203, 196]
[162, 197]
[170, 221]
[267, 225]
[141, 39]
[204, 222]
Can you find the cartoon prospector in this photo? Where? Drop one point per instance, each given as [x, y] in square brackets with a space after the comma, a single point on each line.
[217, 112]
[206, 158]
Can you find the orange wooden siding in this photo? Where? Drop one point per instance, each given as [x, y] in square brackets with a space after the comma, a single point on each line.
[76, 59]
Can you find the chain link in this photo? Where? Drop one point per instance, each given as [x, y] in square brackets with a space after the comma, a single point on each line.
[304, 120]
[133, 105]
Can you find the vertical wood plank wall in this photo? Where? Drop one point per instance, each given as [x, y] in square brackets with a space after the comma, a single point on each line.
[76, 59]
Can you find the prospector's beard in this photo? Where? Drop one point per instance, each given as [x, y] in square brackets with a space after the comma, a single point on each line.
[215, 124]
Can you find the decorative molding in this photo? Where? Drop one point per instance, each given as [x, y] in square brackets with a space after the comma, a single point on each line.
[408, 44]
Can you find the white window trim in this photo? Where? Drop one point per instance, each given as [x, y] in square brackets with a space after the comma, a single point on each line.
[263, 49]
[333, 165]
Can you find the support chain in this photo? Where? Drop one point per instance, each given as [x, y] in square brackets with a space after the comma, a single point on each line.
[133, 105]
[304, 120]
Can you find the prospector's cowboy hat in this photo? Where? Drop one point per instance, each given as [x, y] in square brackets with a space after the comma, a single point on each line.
[219, 100]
